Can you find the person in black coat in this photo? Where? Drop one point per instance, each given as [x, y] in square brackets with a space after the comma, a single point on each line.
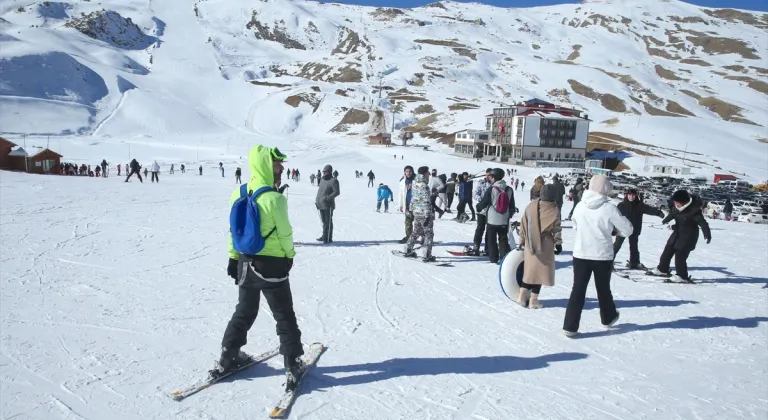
[686, 212]
[633, 209]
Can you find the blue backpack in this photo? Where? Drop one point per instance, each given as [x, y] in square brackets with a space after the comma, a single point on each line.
[245, 222]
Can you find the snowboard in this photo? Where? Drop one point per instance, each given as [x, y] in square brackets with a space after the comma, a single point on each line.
[464, 254]
[437, 263]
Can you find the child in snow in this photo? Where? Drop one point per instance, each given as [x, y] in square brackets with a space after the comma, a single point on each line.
[383, 193]
[685, 234]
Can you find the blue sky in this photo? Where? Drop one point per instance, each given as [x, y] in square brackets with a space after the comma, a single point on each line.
[760, 5]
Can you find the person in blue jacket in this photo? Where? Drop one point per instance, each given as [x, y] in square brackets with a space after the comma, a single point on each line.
[465, 197]
[383, 193]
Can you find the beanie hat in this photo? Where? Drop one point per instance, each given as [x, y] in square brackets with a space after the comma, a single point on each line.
[548, 193]
[497, 174]
[681, 196]
[600, 184]
[423, 170]
[328, 168]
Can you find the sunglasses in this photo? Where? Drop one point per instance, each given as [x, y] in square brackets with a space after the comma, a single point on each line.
[277, 155]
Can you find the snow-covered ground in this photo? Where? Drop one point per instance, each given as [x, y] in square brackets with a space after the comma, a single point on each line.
[115, 294]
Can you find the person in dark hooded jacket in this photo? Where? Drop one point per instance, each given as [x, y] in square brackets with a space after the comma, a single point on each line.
[633, 209]
[686, 212]
[327, 191]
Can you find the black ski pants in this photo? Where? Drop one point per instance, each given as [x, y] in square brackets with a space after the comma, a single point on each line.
[435, 207]
[534, 288]
[681, 260]
[134, 171]
[575, 203]
[370, 182]
[280, 301]
[497, 244]
[326, 216]
[155, 177]
[480, 231]
[449, 201]
[582, 273]
[634, 252]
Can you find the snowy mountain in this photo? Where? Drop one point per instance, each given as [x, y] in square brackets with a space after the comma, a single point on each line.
[658, 77]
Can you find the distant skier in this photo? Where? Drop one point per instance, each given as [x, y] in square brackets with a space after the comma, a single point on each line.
[371, 177]
[155, 172]
[222, 171]
[423, 216]
[326, 202]
[104, 167]
[265, 273]
[728, 209]
[118, 169]
[182, 168]
[135, 169]
[238, 172]
[312, 179]
[200, 169]
[171, 171]
[688, 218]
[383, 193]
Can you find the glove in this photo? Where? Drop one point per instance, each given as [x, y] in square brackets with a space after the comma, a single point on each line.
[232, 269]
[708, 240]
[558, 249]
[517, 210]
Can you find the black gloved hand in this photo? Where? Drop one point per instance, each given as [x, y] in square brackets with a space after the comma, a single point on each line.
[558, 249]
[708, 240]
[232, 269]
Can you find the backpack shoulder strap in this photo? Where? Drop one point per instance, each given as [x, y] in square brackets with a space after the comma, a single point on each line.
[256, 194]
[243, 190]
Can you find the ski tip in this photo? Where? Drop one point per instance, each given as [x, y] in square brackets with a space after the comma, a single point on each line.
[176, 396]
[278, 413]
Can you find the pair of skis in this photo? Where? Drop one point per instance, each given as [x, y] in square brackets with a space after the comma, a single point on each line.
[283, 405]
[645, 274]
[438, 262]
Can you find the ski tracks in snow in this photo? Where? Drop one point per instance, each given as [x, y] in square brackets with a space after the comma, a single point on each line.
[382, 315]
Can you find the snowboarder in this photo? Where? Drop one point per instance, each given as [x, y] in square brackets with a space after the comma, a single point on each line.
[541, 235]
[383, 193]
[594, 221]
[155, 172]
[328, 190]
[266, 273]
[633, 209]
[404, 200]
[135, 169]
[576, 193]
[685, 234]
[238, 172]
[498, 203]
[371, 177]
[423, 216]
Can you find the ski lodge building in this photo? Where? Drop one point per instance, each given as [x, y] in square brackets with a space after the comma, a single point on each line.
[470, 143]
[33, 160]
[537, 133]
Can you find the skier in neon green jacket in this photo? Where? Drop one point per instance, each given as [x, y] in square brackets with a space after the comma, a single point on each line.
[264, 273]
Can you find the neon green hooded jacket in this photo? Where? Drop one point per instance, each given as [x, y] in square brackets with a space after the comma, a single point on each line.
[273, 207]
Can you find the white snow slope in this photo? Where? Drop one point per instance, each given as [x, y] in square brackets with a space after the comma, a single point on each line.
[115, 295]
[668, 75]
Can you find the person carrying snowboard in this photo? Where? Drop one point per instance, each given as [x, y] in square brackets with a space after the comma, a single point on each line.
[498, 203]
[688, 218]
[383, 193]
[423, 216]
[266, 272]
[633, 208]
[327, 191]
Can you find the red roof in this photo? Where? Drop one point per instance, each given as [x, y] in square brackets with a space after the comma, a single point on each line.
[7, 142]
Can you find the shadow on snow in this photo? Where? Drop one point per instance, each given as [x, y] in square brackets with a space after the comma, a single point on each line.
[692, 323]
[591, 303]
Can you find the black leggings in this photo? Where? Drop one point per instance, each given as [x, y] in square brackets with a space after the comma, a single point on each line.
[534, 288]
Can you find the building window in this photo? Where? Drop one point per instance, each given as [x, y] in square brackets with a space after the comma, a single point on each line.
[541, 155]
[456, 148]
[570, 134]
[533, 154]
[483, 137]
[567, 155]
[557, 155]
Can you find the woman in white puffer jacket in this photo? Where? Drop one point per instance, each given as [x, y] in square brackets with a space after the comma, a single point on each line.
[596, 220]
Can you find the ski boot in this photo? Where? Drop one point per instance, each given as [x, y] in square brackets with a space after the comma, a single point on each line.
[294, 368]
[429, 258]
[229, 361]
[410, 254]
[638, 266]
